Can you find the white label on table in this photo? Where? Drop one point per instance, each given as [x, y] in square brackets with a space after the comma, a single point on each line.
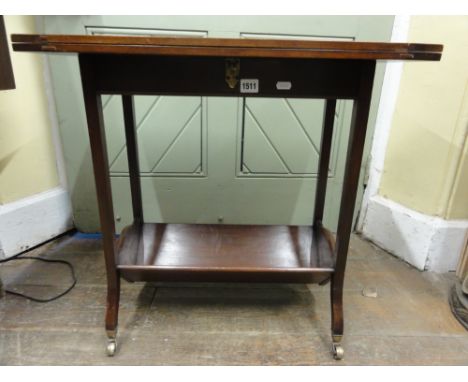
[283, 85]
[249, 86]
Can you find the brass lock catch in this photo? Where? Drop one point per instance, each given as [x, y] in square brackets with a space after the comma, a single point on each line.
[232, 69]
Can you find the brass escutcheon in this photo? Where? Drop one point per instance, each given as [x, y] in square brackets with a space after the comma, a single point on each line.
[232, 69]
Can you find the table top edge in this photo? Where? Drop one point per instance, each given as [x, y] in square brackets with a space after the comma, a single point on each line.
[196, 46]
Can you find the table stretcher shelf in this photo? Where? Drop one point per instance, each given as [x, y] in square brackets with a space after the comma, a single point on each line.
[203, 252]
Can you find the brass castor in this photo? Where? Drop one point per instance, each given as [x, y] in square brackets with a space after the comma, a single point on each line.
[111, 347]
[338, 351]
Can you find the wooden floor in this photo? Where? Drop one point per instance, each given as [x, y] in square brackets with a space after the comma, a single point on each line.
[408, 323]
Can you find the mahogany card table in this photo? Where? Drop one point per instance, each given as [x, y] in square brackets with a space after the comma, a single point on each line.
[146, 251]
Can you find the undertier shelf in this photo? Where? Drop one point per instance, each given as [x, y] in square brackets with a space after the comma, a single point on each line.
[224, 253]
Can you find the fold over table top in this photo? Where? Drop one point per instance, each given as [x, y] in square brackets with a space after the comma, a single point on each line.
[178, 46]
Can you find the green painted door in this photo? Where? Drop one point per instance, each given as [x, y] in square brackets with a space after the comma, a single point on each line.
[213, 159]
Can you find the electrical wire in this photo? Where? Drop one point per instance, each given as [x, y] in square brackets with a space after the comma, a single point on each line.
[35, 299]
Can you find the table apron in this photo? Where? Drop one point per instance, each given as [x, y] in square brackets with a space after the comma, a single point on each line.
[206, 76]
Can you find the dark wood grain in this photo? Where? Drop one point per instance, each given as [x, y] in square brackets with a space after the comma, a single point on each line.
[97, 139]
[132, 157]
[175, 46]
[357, 136]
[324, 160]
[191, 252]
[7, 79]
[167, 75]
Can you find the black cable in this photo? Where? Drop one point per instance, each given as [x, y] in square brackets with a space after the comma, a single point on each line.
[69, 265]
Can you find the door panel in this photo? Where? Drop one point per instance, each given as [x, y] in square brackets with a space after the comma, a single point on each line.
[166, 144]
[209, 160]
[300, 131]
[283, 131]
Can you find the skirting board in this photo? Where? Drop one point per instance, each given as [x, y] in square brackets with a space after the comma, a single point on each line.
[426, 242]
[34, 220]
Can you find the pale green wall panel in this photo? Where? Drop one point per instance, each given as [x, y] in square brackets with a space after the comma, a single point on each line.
[192, 149]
